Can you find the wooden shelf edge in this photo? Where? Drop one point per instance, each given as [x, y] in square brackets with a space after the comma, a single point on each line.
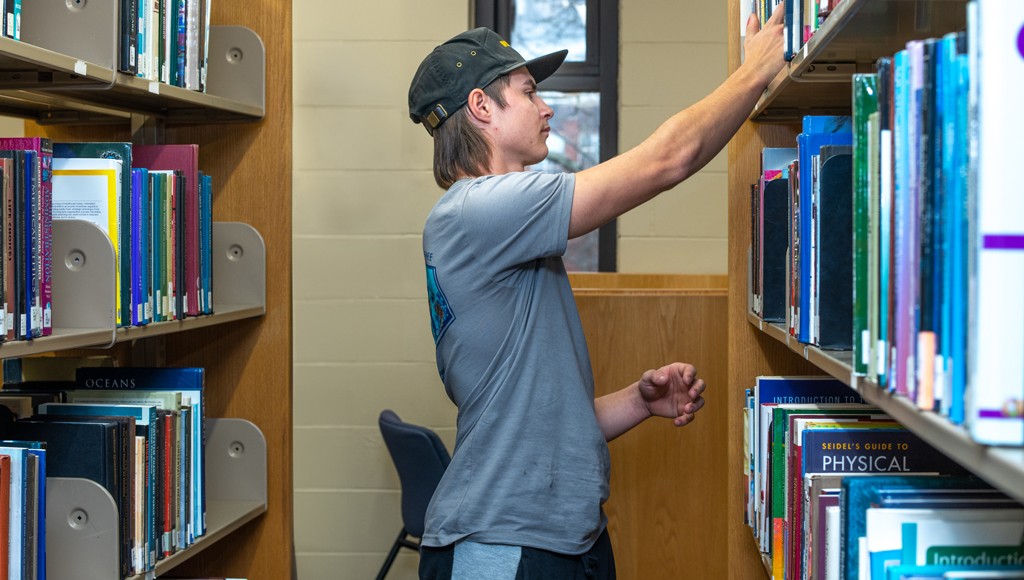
[1002, 467]
[62, 339]
[222, 315]
[222, 518]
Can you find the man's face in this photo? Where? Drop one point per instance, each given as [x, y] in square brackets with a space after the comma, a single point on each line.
[521, 129]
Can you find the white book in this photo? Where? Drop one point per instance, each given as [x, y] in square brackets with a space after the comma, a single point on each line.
[994, 400]
[90, 189]
[833, 545]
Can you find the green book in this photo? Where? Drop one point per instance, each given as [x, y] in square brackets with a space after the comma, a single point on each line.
[865, 102]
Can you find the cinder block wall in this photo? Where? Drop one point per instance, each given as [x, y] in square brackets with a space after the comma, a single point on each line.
[362, 189]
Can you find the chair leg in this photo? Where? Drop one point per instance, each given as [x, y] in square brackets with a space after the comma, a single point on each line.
[399, 542]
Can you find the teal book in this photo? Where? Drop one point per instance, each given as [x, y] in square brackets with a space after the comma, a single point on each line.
[860, 493]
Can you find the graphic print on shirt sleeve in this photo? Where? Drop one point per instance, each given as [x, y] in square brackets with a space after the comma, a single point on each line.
[441, 315]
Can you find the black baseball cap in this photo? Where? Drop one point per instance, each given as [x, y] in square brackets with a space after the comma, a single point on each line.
[470, 60]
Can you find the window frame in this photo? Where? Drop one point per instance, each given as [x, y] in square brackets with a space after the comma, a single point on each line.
[598, 73]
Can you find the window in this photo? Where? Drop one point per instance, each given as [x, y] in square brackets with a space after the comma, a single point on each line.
[584, 130]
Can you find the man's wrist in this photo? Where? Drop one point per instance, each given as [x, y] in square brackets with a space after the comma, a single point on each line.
[643, 410]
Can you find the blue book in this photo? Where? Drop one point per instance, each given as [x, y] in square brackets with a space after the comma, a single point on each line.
[818, 130]
[30, 207]
[138, 304]
[959, 242]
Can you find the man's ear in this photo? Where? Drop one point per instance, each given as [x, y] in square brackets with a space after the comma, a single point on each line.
[479, 105]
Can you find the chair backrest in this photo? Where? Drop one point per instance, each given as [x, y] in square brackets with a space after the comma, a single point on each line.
[420, 458]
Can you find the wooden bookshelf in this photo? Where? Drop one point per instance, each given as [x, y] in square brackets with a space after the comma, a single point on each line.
[852, 38]
[247, 351]
[855, 34]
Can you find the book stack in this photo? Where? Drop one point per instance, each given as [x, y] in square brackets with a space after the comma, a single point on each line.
[138, 432]
[156, 206]
[936, 271]
[837, 489]
[26, 266]
[801, 221]
[166, 41]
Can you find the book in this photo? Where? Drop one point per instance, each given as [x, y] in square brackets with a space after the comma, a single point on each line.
[91, 448]
[90, 190]
[5, 515]
[859, 494]
[927, 195]
[865, 102]
[206, 244]
[770, 391]
[943, 537]
[835, 277]
[35, 504]
[145, 417]
[772, 228]
[121, 151]
[817, 131]
[140, 281]
[778, 488]
[10, 286]
[994, 397]
[41, 213]
[883, 334]
[18, 456]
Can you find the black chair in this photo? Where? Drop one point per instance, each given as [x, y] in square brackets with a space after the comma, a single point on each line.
[420, 458]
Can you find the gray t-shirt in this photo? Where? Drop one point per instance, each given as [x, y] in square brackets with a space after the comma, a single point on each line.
[530, 465]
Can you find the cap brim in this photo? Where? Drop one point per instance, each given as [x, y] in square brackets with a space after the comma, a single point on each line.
[544, 66]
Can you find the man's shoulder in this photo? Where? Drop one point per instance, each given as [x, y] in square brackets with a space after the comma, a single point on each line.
[514, 182]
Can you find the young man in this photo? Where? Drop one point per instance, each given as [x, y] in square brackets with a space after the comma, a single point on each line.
[529, 473]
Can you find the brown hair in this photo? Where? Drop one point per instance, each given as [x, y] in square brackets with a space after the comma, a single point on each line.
[460, 149]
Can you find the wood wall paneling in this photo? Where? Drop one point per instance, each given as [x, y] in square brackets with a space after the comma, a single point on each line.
[667, 503]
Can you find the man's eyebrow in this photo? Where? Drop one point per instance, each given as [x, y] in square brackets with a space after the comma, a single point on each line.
[530, 83]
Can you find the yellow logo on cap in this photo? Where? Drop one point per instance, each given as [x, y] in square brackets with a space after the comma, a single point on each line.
[503, 43]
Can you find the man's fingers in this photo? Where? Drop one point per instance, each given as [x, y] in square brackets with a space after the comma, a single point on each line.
[753, 25]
